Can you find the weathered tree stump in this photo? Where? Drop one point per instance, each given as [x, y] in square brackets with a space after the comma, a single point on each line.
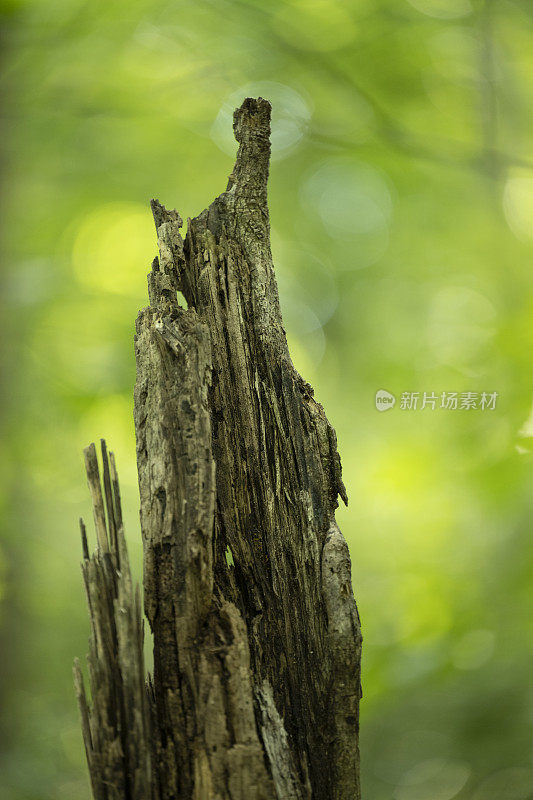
[247, 588]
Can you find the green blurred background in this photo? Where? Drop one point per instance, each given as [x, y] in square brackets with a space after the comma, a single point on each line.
[401, 199]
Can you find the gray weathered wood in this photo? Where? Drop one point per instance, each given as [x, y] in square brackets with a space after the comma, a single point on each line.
[247, 583]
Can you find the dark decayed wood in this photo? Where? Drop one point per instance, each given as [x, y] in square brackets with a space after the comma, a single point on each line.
[247, 587]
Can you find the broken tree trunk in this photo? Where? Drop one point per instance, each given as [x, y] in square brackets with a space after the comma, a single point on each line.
[247, 588]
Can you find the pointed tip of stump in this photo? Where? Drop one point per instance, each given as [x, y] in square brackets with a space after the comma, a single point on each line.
[252, 116]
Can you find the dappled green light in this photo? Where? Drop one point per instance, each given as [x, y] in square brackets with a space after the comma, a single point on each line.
[435, 778]
[461, 326]
[315, 25]
[112, 246]
[443, 9]
[506, 784]
[401, 202]
[518, 206]
[354, 205]
[474, 649]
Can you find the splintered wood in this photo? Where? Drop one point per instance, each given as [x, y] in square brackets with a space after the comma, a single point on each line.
[256, 686]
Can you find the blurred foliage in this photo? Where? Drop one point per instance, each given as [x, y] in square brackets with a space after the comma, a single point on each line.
[401, 201]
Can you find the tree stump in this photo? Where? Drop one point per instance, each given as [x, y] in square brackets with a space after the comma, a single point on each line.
[247, 588]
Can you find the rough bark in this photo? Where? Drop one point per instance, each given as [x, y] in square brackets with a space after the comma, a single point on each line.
[247, 583]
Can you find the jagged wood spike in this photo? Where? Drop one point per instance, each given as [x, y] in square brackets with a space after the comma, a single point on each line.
[93, 480]
[116, 490]
[116, 724]
[111, 523]
[84, 544]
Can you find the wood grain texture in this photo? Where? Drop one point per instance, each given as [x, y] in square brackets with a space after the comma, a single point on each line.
[247, 585]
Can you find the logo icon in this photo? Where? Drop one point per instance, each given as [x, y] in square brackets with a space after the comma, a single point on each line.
[384, 400]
